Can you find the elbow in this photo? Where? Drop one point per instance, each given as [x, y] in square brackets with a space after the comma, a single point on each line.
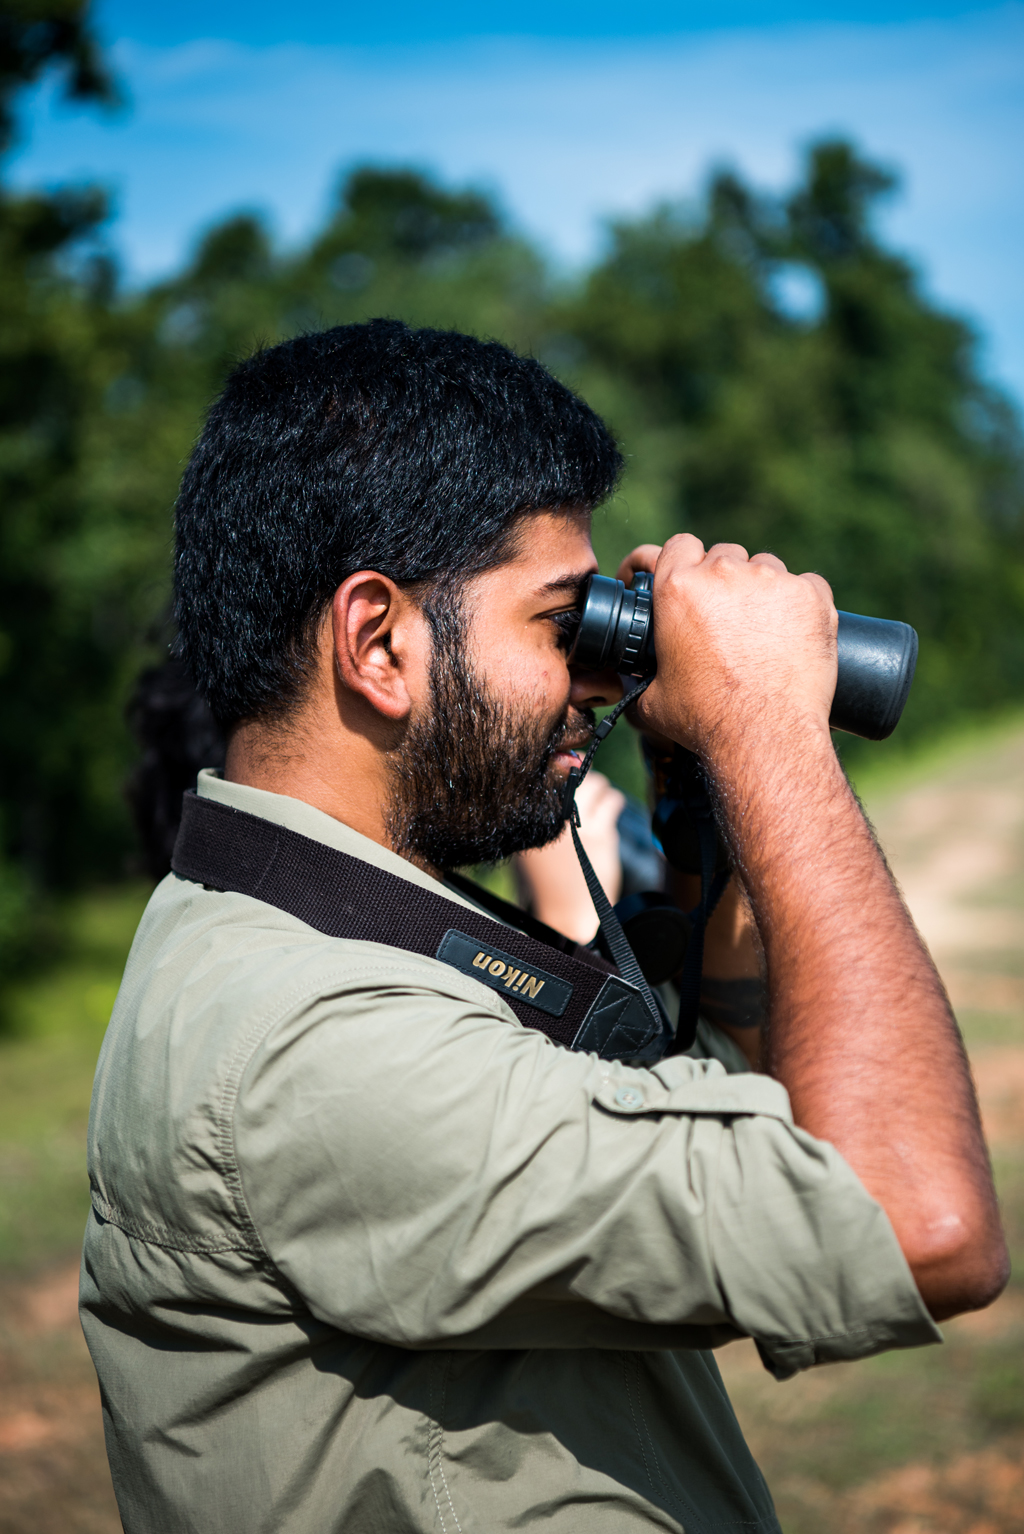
[959, 1260]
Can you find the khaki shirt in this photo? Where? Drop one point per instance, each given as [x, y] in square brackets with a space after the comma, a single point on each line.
[369, 1255]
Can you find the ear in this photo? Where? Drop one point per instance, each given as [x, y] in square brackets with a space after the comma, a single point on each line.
[381, 642]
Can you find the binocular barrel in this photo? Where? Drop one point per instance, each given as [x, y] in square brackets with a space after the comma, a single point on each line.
[877, 656]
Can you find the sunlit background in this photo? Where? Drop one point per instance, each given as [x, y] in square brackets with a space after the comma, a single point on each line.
[567, 114]
[777, 246]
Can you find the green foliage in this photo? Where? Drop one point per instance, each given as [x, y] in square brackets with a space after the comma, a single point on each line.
[863, 445]
[58, 671]
[55, 1025]
[37, 36]
[856, 438]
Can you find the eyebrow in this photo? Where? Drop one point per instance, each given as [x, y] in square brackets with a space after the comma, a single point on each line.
[574, 582]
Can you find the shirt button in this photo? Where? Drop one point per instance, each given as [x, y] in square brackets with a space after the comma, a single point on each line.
[629, 1097]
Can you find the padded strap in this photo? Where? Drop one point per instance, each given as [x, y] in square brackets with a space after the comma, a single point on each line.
[575, 998]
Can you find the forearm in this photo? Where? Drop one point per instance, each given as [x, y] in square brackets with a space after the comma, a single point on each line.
[860, 1029]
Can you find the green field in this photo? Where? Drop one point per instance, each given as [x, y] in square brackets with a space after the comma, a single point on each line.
[54, 1028]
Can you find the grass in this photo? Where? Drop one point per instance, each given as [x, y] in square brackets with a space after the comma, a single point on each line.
[880, 768]
[55, 1025]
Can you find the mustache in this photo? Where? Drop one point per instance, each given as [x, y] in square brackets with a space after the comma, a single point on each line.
[573, 733]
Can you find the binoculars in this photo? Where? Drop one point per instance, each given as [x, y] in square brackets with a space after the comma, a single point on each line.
[877, 656]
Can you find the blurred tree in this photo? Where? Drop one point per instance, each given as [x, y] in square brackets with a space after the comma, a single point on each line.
[103, 395]
[775, 374]
[848, 431]
[57, 667]
[39, 37]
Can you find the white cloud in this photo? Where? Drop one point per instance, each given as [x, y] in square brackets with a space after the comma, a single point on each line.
[567, 133]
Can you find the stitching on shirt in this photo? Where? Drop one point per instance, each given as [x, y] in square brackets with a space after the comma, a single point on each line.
[850, 1331]
[239, 1063]
[243, 1053]
[688, 1516]
[625, 1361]
[159, 1235]
[643, 1419]
[435, 1444]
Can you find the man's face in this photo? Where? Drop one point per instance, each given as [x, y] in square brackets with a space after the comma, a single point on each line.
[481, 772]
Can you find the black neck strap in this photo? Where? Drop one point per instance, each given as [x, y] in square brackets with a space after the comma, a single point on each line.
[697, 799]
[567, 992]
[611, 929]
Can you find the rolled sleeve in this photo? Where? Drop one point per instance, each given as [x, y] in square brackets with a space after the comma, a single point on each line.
[428, 1173]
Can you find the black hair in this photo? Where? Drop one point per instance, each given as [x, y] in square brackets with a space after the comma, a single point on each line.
[178, 735]
[411, 452]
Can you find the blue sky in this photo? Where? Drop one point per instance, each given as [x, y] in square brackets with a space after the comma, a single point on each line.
[260, 23]
[567, 112]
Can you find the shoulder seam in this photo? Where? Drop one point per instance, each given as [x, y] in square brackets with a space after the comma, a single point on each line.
[242, 1057]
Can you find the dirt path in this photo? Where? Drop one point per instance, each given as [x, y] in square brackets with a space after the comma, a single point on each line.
[53, 1471]
[956, 845]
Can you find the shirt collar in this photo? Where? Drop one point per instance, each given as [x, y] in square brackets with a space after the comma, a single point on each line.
[297, 815]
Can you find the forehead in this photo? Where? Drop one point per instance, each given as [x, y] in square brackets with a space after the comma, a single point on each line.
[551, 559]
[552, 547]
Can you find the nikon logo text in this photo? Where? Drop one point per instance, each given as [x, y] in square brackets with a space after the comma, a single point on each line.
[514, 979]
[505, 973]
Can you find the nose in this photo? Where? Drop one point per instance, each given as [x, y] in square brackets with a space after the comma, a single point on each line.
[594, 689]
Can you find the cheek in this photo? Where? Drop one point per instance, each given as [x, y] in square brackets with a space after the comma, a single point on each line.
[521, 663]
[537, 680]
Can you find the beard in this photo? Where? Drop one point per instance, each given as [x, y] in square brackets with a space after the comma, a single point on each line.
[472, 781]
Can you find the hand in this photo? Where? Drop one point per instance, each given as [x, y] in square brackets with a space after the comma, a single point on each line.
[554, 881]
[742, 644]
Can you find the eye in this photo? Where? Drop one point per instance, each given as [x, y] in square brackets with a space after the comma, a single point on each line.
[566, 624]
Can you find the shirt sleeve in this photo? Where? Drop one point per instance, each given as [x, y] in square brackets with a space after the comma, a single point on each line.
[427, 1172]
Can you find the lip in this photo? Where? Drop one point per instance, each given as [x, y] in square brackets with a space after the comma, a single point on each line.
[571, 755]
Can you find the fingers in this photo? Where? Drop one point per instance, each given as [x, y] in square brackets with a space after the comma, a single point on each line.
[739, 638]
[643, 558]
[770, 561]
[731, 551]
[820, 584]
[683, 551]
[599, 802]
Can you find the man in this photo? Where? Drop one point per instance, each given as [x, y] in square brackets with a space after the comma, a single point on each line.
[367, 1253]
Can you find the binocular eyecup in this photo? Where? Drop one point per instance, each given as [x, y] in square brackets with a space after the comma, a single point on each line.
[876, 656]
